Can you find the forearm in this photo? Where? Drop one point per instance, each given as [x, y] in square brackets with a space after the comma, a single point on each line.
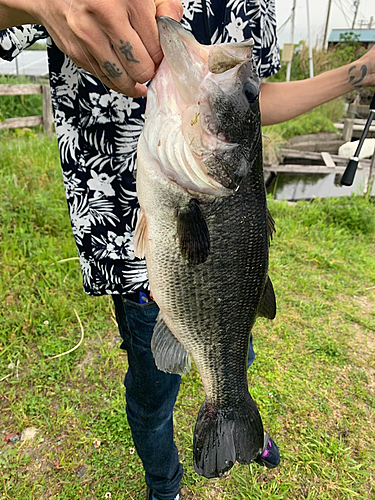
[12, 14]
[280, 102]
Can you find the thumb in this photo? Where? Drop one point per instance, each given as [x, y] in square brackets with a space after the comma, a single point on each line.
[169, 8]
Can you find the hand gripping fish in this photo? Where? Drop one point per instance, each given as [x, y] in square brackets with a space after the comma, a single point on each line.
[205, 230]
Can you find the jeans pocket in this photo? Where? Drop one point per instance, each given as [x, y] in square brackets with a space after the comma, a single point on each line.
[140, 321]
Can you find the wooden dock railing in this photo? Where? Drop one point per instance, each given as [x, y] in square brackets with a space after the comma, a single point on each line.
[30, 121]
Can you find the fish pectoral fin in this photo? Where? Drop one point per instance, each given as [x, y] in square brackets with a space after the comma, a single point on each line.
[169, 354]
[193, 233]
[267, 306]
[140, 236]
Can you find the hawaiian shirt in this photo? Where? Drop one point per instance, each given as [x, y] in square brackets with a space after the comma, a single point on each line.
[97, 131]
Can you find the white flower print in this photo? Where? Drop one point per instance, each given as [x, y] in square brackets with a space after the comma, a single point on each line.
[114, 246]
[235, 28]
[101, 183]
[128, 104]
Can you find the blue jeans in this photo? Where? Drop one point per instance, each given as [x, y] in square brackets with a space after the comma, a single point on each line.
[150, 398]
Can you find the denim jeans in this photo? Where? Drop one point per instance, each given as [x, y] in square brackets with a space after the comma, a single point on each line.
[150, 398]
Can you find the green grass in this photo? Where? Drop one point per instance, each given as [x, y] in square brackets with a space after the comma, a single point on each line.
[17, 106]
[313, 377]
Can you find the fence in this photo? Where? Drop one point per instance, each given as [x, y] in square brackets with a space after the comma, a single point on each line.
[30, 121]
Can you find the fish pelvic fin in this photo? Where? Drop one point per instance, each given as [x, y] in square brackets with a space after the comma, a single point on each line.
[140, 235]
[223, 436]
[169, 354]
[267, 305]
[193, 233]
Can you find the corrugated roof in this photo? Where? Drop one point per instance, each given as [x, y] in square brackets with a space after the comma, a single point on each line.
[364, 35]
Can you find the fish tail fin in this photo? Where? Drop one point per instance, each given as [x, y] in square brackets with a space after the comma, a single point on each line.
[223, 436]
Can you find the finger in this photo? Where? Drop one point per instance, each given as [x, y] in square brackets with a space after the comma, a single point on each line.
[145, 34]
[169, 8]
[108, 74]
[116, 77]
[134, 56]
[92, 50]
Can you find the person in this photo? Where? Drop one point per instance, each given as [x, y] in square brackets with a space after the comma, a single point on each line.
[100, 56]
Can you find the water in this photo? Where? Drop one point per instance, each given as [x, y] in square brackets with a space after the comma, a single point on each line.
[295, 187]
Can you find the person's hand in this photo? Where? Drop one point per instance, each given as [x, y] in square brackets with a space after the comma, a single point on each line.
[115, 40]
[361, 73]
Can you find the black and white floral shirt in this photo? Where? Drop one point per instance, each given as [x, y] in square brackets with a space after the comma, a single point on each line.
[98, 129]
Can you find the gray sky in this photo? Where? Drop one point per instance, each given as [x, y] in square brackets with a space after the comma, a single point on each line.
[341, 16]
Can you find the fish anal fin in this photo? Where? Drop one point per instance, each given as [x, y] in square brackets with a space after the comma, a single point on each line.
[193, 234]
[169, 354]
[267, 306]
[140, 235]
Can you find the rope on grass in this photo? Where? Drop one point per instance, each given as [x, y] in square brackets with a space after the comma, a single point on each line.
[75, 347]
[113, 314]
[6, 376]
[65, 260]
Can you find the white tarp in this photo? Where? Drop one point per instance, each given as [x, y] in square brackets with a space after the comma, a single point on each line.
[30, 62]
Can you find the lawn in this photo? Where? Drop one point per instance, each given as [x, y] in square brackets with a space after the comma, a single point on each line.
[313, 378]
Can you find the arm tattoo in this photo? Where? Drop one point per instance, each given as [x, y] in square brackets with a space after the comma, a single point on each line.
[357, 83]
[112, 70]
[126, 48]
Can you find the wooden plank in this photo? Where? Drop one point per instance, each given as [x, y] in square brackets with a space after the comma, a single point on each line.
[306, 169]
[328, 161]
[303, 169]
[357, 128]
[310, 155]
[47, 110]
[20, 89]
[347, 131]
[28, 121]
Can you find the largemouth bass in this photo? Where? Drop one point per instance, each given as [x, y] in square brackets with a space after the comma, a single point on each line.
[205, 229]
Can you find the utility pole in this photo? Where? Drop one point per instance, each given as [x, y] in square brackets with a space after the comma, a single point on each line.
[356, 5]
[292, 39]
[327, 21]
[309, 40]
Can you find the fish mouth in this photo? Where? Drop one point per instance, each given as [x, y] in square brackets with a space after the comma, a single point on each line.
[185, 56]
[190, 61]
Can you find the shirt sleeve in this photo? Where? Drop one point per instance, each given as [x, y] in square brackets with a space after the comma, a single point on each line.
[15, 40]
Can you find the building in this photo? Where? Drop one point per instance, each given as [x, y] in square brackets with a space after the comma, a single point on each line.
[365, 37]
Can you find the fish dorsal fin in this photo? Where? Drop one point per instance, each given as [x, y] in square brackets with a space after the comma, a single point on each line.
[170, 356]
[193, 233]
[267, 306]
[140, 235]
[270, 226]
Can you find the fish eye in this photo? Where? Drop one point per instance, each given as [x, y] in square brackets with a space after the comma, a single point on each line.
[251, 91]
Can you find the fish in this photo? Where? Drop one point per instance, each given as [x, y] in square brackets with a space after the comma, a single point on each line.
[205, 229]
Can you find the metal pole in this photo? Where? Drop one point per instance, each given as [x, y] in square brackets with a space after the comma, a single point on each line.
[288, 69]
[311, 65]
[327, 21]
[356, 3]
